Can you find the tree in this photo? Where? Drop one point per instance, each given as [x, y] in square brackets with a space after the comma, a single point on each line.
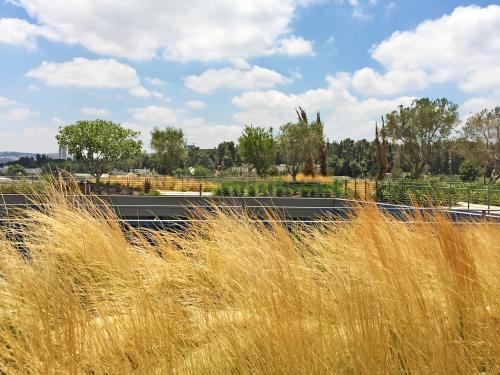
[99, 144]
[321, 146]
[15, 169]
[258, 148]
[226, 154]
[314, 143]
[301, 144]
[293, 147]
[422, 126]
[482, 131]
[381, 152]
[170, 147]
[468, 171]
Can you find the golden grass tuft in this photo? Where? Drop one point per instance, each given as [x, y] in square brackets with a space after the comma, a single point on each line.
[232, 296]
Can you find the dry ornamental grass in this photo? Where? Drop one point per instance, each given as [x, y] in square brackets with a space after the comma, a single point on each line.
[373, 296]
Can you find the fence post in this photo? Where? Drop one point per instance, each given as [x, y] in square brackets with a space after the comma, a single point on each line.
[489, 198]
[345, 189]
[449, 197]
[355, 189]
[376, 191]
[335, 188]
[365, 188]
[401, 192]
[468, 198]
[201, 190]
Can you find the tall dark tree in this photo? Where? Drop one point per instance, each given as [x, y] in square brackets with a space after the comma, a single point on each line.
[381, 151]
[170, 147]
[321, 148]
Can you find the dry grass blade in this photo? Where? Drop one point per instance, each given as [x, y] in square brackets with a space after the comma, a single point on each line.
[234, 296]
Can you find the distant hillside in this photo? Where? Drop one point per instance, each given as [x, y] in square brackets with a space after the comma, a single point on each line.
[15, 154]
[7, 156]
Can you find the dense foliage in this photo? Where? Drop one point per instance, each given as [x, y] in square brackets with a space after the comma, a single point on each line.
[99, 144]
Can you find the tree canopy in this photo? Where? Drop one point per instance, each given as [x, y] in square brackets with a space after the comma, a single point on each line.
[301, 143]
[258, 148]
[170, 148]
[482, 130]
[421, 126]
[99, 144]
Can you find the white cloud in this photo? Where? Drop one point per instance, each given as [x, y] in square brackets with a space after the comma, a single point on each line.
[30, 139]
[462, 47]
[21, 130]
[20, 32]
[368, 82]
[344, 114]
[477, 104]
[154, 115]
[208, 134]
[389, 8]
[98, 112]
[196, 104]
[6, 102]
[82, 72]
[33, 88]
[155, 81]
[331, 40]
[360, 14]
[293, 46]
[57, 121]
[18, 114]
[180, 30]
[255, 78]
[197, 131]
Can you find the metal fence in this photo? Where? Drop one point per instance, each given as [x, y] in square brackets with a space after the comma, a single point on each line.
[464, 195]
[452, 195]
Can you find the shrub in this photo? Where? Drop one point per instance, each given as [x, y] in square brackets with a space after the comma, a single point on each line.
[251, 192]
[225, 191]
[469, 171]
[262, 190]
[304, 191]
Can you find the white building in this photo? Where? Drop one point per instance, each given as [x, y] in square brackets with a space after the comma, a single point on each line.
[63, 152]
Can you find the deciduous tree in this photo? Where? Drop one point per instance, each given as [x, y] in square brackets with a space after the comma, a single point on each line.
[99, 144]
[482, 130]
[421, 126]
[258, 148]
[169, 146]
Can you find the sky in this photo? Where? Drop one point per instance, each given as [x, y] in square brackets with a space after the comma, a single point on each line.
[210, 67]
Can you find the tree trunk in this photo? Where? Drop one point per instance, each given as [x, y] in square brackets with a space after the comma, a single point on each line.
[309, 167]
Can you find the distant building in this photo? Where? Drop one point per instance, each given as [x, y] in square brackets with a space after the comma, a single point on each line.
[33, 171]
[63, 152]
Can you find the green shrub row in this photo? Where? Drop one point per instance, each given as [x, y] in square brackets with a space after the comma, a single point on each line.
[281, 189]
[438, 194]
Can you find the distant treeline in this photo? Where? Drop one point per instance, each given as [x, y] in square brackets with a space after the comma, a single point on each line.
[426, 137]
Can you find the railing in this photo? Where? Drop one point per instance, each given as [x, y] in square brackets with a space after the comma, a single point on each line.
[451, 195]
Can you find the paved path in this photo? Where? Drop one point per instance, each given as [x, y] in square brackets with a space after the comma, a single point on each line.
[172, 193]
[476, 207]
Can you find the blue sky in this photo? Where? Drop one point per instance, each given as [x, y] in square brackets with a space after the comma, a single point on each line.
[211, 67]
